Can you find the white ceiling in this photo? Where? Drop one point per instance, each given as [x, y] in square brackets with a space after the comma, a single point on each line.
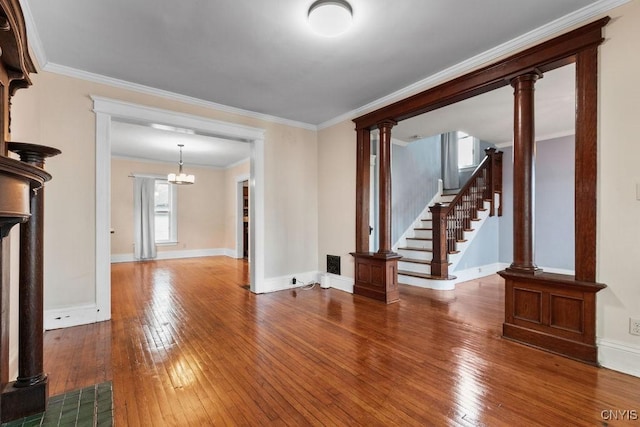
[141, 141]
[261, 56]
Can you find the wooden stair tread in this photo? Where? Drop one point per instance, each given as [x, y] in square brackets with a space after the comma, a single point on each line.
[423, 229]
[419, 238]
[415, 261]
[423, 276]
[411, 248]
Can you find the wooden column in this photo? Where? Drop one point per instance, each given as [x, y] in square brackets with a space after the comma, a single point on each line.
[440, 258]
[523, 173]
[31, 367]
[29, 393]
[376, 274]
[363, 156]
[586, 175]
[384, 209]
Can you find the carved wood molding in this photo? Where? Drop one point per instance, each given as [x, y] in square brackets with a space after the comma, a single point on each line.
[15, 50]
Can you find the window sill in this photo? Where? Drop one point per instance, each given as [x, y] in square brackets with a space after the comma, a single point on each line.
[166, 243]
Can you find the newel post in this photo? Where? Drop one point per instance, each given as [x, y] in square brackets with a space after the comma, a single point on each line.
[440, 261]
[491, 180]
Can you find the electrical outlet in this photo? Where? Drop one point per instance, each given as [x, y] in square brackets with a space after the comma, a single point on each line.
[634, 326]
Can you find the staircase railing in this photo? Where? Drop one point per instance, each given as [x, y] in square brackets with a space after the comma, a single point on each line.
[451, 220]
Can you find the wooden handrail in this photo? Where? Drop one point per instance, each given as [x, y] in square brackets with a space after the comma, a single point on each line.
[451, 220]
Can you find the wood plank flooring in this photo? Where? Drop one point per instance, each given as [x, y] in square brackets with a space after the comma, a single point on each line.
[189, 346]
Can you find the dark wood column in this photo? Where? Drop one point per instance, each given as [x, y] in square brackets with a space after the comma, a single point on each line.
[363, 155]
[384, 196]
[586, 175]
[31, 288]
[376, 274]
[28, 394]
[523, 173]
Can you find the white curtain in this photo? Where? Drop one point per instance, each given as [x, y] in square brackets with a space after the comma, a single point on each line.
[144, 212]
[450, 175]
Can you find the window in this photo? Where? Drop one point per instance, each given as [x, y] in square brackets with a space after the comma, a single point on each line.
[166, 217]
[467, 150]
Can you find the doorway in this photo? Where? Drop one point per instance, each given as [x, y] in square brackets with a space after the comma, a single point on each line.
[109, 109]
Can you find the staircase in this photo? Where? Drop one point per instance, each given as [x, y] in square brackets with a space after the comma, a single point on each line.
[440, 238]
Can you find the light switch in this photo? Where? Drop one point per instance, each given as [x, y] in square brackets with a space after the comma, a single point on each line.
[637, 190]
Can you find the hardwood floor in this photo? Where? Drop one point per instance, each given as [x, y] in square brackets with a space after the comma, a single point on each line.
[188, 345]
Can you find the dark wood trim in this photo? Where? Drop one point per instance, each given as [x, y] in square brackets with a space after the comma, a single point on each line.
[546, 56]
[376, 276]
[384, 186]
[440, 256]
[553, 312]
[18, 182]
[523, 172]
[31, 287]
[363, 163]
[586, 158]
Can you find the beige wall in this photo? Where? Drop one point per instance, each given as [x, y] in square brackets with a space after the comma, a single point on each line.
[57, 111]
[201, 206]
[619, 173]
[337, 195]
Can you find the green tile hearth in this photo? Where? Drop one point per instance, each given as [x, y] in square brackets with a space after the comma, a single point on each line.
[89, 407]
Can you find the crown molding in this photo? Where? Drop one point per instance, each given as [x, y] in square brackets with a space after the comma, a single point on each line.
[527, 39]
[512, 46]
[33, 37]
[122, 84]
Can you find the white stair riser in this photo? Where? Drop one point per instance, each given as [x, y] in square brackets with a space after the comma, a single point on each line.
[426, 283]
[426, 223]
[414, 267]
[421, 255]
[425, 234]
[425, 244]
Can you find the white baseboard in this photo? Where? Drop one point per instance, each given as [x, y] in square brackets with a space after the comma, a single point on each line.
[341, 283]
[476, 272]
[71, 316]
[192, 253]
[283, 283]
[622, 357]
[231, 253]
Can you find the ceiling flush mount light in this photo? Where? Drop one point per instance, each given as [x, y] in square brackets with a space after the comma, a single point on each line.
[181, 178]
[330, 18]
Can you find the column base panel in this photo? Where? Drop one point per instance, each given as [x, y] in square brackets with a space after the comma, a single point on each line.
[20, 402]
[376, 276]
